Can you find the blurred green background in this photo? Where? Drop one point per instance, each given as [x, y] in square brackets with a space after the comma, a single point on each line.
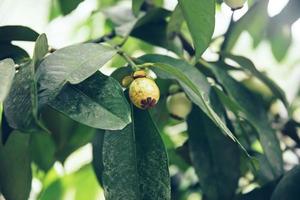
[274, 52]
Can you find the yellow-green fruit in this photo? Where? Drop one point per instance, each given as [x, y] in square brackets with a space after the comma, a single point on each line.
[144, 93]
[126, 81]
[179, 105]
[235, 4]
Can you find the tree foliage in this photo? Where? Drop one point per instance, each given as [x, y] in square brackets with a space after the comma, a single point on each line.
[58, 100]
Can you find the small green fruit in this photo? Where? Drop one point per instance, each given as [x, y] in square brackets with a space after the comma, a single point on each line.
[178, 105]
[235, 4]
[126, 81]
[144, 93]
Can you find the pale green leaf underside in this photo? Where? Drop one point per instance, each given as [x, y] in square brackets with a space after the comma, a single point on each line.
[7, 69]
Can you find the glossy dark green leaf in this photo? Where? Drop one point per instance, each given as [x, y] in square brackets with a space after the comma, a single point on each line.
[20, 106]
[122, 18]
[215, 157]
[7, 68]
[15, 170]
[71, 64]
[150, 27]
[192, 81]
[97, 154]
[16, 53]
[121, 72]
[67, 6]
[5, 128]
[67, 135]
[136, 6]
[134, 161]
[98, 102]
[256, 115]
[156, 34]
[17, 33]
[249, 66]
[200, 18]
[42, 150]
[288, 187]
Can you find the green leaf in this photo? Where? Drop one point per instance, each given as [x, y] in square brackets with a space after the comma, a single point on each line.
[288, 187]
[150, 27]
[40, 49]
[256, 115]
[227, 101]
[54, 10]
[67, 6]
[193, 82]
[280, 37]
[5, 128]
[156, 34]
[70, 64]
[121, 72]
[16, 53]
[122, 18]
[200, 18]
[7, 68]
[79, 185]
[261, 193]
[17, 33]
[97, 102]
[20, 106]
[254, 21]
[97, 154]
[175, 22]
[67, 134]
[136, 6]
[248, 65]
[15, 170]
[42, 150]
[134, 161]
[215, 157]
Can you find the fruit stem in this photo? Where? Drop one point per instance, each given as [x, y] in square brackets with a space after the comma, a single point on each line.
[122, 54]
[127, 58]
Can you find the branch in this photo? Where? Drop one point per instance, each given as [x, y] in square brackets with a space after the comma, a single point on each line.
[186, 45]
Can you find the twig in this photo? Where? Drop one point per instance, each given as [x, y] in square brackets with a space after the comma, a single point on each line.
[186, 45]
[103, 38]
